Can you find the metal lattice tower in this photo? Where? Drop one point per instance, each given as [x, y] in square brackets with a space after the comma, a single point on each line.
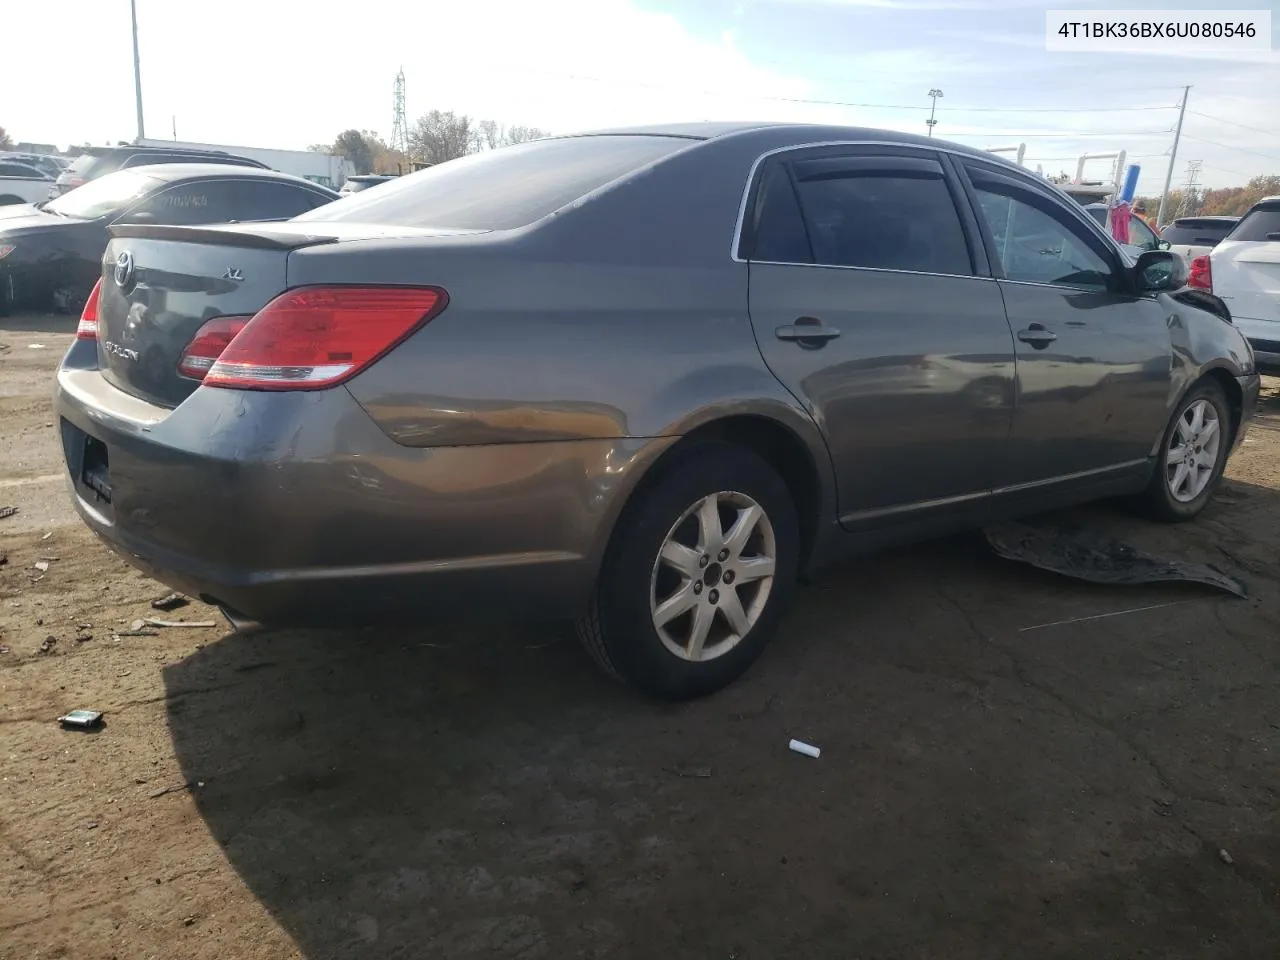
[400, 125]
[1190, 204]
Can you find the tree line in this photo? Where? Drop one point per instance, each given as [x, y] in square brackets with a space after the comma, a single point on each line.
[1221, 202]
[435, 137]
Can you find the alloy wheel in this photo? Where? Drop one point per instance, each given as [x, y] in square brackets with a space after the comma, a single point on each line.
[713, 576]
[1193, 450]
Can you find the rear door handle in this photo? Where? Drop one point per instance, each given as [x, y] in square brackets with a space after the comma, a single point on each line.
[807, 329]
[1037, 336]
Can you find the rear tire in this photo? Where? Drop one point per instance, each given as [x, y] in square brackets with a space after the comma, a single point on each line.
[1192, 457]
[9, 200]
[697, 575]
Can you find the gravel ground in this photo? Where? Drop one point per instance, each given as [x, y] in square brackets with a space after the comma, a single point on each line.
[1001, 776]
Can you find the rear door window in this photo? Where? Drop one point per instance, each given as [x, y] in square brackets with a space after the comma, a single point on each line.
[270, 200]
[880, 213]
[1258, 224]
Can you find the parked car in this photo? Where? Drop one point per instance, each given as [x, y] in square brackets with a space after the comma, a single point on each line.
[1243, 270]
[49, 166]
[1141, 237]
[363, 181]
[99, 161]
[644, 377]
[1195, 236]
[52, 254]
[21, 183]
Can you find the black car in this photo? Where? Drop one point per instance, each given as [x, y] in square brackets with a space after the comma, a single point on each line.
[99, 161]
[51, 253]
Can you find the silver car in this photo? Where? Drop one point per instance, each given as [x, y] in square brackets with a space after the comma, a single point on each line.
[643, 378]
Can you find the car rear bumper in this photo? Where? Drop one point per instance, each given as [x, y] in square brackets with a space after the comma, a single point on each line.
[295, 508]
[1263, 336]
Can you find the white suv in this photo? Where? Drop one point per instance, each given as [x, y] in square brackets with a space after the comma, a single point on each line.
[1244, 271]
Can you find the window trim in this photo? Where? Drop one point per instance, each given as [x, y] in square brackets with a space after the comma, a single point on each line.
[979, 265]
[953, 154]
[1120, 280]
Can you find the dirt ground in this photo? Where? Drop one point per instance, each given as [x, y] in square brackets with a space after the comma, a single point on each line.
[1000, 776]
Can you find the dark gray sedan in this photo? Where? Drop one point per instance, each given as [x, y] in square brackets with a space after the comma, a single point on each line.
[645, 378]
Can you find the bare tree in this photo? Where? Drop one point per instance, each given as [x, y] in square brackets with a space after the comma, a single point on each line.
[521, 134]
[491, 135]
[6, 142]
[441, 135]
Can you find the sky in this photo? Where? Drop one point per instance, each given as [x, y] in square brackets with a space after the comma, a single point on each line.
[283, 74]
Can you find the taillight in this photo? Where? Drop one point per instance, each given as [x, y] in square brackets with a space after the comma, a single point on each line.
[87, 328]
[316, 337]
[210, 340]
[1200, 274]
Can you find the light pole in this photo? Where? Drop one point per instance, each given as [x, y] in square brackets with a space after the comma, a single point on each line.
[137, 69]
[935, 93]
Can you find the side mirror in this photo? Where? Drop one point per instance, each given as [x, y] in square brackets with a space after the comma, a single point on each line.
[1164, 245]
[1160, 270]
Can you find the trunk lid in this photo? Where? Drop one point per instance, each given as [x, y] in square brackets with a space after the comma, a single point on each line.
[161, 284]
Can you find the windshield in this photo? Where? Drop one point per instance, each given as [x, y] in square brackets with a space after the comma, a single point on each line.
[103, 196]
[501, 189]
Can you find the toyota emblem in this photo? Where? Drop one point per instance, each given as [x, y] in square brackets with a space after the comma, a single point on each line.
[124, 269]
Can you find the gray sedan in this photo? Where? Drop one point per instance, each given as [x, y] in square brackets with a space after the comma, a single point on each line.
[646, 378]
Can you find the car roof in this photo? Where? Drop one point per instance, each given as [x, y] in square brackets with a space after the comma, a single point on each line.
[190, 171]
[803, 133]
[1214, 219]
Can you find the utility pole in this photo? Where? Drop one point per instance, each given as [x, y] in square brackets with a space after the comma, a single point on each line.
[175, 128]
[1173, 157]
[935, 93]
[137, 69]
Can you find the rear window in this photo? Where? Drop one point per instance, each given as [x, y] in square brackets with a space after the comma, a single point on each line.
[501, 189]
[1197, 232]
[81, 164]
[1257, 224]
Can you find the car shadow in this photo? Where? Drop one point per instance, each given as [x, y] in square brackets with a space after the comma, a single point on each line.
[39, 323]
[1014, 764]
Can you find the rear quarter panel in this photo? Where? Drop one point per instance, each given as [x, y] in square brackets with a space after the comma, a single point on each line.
[622, 316]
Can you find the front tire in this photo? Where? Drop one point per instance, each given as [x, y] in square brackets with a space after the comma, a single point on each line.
[1193, 455]
[696, 576]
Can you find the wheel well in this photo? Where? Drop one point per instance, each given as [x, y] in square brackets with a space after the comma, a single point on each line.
[8, 199]
[1235, 396]
[777, 445]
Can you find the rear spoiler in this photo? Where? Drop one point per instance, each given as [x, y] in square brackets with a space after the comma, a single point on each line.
[255, 235]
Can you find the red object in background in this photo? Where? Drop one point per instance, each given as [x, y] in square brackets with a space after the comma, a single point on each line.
[1119, 221]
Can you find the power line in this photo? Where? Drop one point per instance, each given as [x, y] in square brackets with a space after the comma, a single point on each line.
[1243, 126]
[1215, 143]
[618, 81]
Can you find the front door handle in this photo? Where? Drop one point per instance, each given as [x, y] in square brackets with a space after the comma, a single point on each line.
[1037, 336]
[808, 331]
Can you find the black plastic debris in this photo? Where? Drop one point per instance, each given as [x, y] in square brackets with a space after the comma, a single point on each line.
[1092, 556]
[6, 512]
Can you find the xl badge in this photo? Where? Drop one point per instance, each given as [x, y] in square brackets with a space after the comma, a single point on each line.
[233, 273]
[124, 269]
